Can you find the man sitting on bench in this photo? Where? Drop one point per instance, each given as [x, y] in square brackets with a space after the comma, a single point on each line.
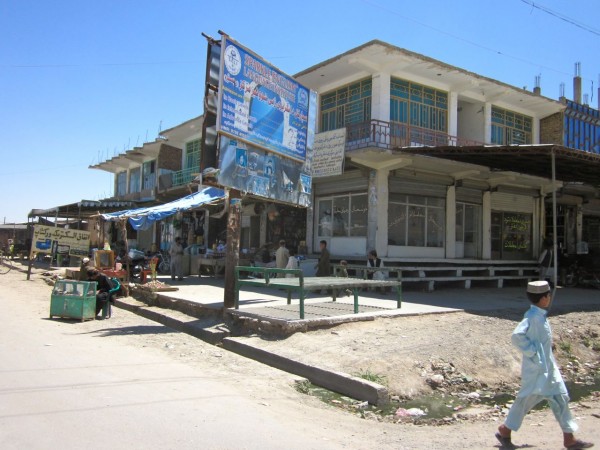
[104, 291]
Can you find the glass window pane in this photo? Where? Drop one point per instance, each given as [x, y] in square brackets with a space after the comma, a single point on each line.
[341, 215]
[459, 222]
[325, 220]
[416, 226]
[358, 215]
[396, 224]
[435, 227]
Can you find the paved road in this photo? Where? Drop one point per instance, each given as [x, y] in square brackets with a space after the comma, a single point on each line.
[109, 384]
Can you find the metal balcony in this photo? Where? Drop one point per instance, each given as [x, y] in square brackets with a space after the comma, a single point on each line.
[390, 135]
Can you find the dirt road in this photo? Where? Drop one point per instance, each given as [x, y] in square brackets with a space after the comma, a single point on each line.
[258, 405]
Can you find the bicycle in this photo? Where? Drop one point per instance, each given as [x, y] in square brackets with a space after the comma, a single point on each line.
[164, 266]
[5, 262]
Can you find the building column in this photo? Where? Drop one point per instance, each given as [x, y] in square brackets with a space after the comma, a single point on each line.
[310, 226]
[579, 224]
[487, 123]
[486, 225]
[380, 97]
[451, 222]
[377, 217]
[453, 114]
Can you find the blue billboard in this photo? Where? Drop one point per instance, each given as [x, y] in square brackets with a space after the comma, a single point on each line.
[261, 105]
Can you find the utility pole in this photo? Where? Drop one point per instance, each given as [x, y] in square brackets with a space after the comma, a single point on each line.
[232, 254]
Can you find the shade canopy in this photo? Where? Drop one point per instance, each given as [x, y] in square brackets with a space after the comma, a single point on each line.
[144, 218]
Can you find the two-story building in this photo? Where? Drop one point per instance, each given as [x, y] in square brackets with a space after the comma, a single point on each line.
[395, 195]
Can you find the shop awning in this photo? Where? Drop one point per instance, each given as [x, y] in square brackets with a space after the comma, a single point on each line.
[143, 218]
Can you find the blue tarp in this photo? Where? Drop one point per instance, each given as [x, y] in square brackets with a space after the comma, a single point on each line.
[143, 218]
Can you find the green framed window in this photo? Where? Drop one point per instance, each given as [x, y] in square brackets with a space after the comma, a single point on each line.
[510, 128]
[346, 105]
[192, 154]
[417, 105]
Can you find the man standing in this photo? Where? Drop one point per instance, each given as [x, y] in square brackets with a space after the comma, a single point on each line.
[540, 377]
[323, 266]
[282, 256]
[176, 254]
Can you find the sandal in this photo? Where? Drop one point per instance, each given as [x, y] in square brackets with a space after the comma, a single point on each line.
[505, 442]
[579, 444]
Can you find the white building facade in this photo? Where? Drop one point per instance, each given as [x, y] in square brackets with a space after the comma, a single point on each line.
[410, 206]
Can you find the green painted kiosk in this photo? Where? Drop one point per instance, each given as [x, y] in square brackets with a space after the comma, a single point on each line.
[73, 300]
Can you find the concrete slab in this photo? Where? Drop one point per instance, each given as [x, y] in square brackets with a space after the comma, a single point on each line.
[271, 305]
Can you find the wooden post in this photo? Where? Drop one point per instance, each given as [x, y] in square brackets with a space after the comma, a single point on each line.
[232, 254]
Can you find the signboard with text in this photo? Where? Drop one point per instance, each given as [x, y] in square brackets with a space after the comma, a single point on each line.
[62, 240]
[260, 105]
[328, 156]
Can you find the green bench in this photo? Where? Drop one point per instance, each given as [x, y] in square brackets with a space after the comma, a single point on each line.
[302, 285]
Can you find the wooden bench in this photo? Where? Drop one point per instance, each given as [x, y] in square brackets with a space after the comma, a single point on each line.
[301, 284]
[431, 274]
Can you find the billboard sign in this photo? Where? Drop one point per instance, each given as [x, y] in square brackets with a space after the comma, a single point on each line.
[264, 174]
[260, 105]
[62, 240]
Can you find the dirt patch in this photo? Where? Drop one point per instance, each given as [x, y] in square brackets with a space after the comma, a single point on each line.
[456, 354]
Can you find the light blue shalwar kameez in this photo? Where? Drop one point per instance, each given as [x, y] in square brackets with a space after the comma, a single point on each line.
[540, 377]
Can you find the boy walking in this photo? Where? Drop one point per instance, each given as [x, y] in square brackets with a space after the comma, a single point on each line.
[540, 377]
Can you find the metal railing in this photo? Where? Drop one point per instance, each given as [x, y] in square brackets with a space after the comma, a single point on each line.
[389, 135]
[185, 176]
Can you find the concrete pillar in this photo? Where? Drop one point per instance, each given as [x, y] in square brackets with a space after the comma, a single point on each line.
[579, 224]
[380, 97]
[453, 114]
[535, 131]
[487, 123]
[486, 225]
[451, 222]
[310, 226]
[377, 219]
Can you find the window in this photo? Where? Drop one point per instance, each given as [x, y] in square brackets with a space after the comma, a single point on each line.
[510, 128]
[343, 216]
[511, 235]
[149, 174]
[192, 155]
[468, 224]
[416, 108]
[134, 180]
[416, 221]
[121, 184]
[346, 105]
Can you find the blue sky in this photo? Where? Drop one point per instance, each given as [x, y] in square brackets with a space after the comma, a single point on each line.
[81, 81]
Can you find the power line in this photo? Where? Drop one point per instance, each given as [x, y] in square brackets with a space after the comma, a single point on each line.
[562, 17]
[475, 44]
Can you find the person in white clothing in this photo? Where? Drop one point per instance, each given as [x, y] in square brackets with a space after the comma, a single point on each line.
[282, 255]
[292, 263]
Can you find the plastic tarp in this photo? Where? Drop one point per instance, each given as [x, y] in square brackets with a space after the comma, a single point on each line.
[144, 218]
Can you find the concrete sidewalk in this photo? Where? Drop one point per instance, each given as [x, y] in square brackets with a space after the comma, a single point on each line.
[271, 304]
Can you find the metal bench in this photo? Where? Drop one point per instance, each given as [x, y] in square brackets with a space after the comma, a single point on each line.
[303, 285]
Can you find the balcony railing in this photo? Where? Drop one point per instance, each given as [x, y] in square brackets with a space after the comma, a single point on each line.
[389, 135]
[185, 176]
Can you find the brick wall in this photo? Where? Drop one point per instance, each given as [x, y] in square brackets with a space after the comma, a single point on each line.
[169, 157]
[551, 129]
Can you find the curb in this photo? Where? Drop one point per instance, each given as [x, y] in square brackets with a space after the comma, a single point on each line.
[199, 328]
[340, 382]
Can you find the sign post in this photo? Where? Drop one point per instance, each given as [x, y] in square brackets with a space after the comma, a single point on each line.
[232, 255]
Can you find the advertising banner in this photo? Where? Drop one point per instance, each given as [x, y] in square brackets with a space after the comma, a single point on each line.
[62, 240]
[252, 170]
[328, 157]
[261, 105]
